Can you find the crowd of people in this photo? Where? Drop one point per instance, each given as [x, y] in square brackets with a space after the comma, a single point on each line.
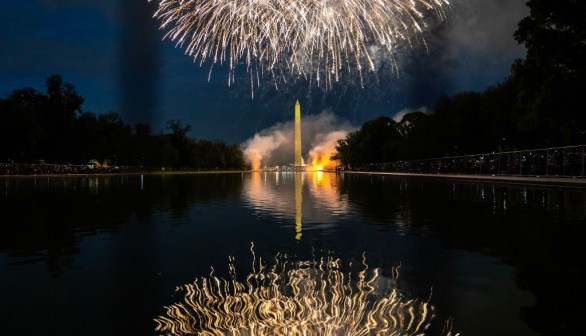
[12, 168]
[566, 161]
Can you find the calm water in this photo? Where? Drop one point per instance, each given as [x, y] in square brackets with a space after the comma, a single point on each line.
[104, 255]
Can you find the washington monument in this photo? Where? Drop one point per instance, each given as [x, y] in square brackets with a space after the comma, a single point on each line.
[298, 159]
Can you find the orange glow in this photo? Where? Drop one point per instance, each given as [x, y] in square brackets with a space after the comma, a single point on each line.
[320, 154]
[319, 176]
[324, 190]
[320, 158]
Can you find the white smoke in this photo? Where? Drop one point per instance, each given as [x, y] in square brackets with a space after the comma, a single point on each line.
[260, 147]
[399, 115]
[275, 145]
[479, 43]
[324, 148]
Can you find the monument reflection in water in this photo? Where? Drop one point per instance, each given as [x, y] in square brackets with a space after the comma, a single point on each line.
[103, 255]
[297, 297]
[271, 193]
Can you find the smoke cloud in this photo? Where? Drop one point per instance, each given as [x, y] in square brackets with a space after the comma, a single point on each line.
[478, 47]
[261, 147]
[275, 145]
[399, 115]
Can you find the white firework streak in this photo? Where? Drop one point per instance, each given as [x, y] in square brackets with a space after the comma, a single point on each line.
[313, 39]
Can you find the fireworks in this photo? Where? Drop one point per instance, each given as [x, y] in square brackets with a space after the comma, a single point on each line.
[298, 298]
[313, 39]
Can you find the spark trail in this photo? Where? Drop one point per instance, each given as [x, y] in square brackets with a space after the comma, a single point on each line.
[312, 39]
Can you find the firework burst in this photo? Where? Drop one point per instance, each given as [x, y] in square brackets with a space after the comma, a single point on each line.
[312, 39]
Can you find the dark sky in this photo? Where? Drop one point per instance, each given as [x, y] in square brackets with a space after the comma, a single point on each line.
[113, 53]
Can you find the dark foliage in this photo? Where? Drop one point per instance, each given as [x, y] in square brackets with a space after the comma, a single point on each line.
[53, 127]
[539, 105]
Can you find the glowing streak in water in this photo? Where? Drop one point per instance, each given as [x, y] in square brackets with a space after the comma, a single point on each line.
[298, 202]
[297, 298]
[314, 39]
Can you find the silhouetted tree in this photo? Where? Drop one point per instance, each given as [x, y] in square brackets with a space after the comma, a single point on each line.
[59, 116]
[180, 142]
[420, 139]
[552, 77]
[113, 139]
[21, 131]
[378, 140]
[460, 123]
[55, 128]
[346, 151]
[86, 135]
[142, 143]
[234, 157]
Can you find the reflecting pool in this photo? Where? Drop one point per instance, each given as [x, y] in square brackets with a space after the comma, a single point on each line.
[281, 253]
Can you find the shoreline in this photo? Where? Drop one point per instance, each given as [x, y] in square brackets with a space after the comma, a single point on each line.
[553, 181]
[158, 172]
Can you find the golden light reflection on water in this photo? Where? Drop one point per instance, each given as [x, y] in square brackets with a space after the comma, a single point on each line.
[297, 298]
[324, 191]
[298, 201]
[271, 192]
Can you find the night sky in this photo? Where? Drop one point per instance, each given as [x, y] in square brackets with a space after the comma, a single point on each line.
[113, 53]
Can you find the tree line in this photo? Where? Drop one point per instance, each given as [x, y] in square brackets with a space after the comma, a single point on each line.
[53, 127]
[539, 105]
